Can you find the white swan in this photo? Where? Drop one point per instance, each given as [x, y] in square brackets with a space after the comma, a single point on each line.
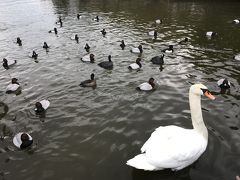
[175, 147]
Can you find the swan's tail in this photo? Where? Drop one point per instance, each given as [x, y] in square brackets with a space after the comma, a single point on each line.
[140, 162]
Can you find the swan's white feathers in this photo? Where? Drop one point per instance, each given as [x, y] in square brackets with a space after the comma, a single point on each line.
[166, 148]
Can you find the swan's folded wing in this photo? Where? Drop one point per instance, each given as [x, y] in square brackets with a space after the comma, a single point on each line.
[173, 147]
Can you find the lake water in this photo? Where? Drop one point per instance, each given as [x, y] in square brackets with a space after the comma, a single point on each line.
[91, 133]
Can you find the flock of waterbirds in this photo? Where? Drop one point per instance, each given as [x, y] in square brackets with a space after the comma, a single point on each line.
[24, 140]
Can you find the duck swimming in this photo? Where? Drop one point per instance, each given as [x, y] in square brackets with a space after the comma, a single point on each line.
[107, 64]
[168, 50]
[79, 16]
[236, 21]
[96, 19]
[19, 41]
[137, 50]
[54, 30]
[45, 45]
[211, 34]
[103, 32]
[158, 21]
[89, 83]
[75, 37]
[22, 140]
[135, 66]
[122, 45]
[34, 55]
[147, 86]
[8, 63]
[237, 57]
[88, 58]
[87, 47]
[183, 41]
[41, 106]
[158, 60]
[224, 83]
[175, 147]
[13, 87]
[153, 33]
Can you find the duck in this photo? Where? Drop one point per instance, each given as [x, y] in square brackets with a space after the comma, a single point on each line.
[184, 41]
[147, 86]
[88, 58]
[90, 82]
[79, 16]
[173, 147]
[41, 106]
[168, 50]
[103, 32]
[19, 41]
[45, 45]
[54, 30]
[158, 60]
[158, 21]
[87, 47]
[223, 83]
[122, 45]
[211, 34]
[236, 21]
[75, 37]
[8, 63]
[13, 87]
[135, 66]
[34, 55]
[237, 57]
[107, 64]
[153, 33]
[137, 50]
[96, 19]
[22, 140]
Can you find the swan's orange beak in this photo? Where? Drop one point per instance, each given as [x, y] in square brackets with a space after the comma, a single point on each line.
[209, 95]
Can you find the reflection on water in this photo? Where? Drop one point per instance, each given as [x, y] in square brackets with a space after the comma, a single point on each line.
[90, 133]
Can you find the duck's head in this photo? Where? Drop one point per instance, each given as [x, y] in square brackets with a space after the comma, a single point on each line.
[170, 47]
[18, 39]
[200, 89]
[186, 39]
[14, 81]
[76, 36]
[151, 82]
[5, 60]
[92, 57]
[39, 107]
[122, 42]
[110, 58]
[24, 137]
[92, 76]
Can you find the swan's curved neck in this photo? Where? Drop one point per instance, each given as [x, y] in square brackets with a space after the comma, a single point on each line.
[196, 115]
